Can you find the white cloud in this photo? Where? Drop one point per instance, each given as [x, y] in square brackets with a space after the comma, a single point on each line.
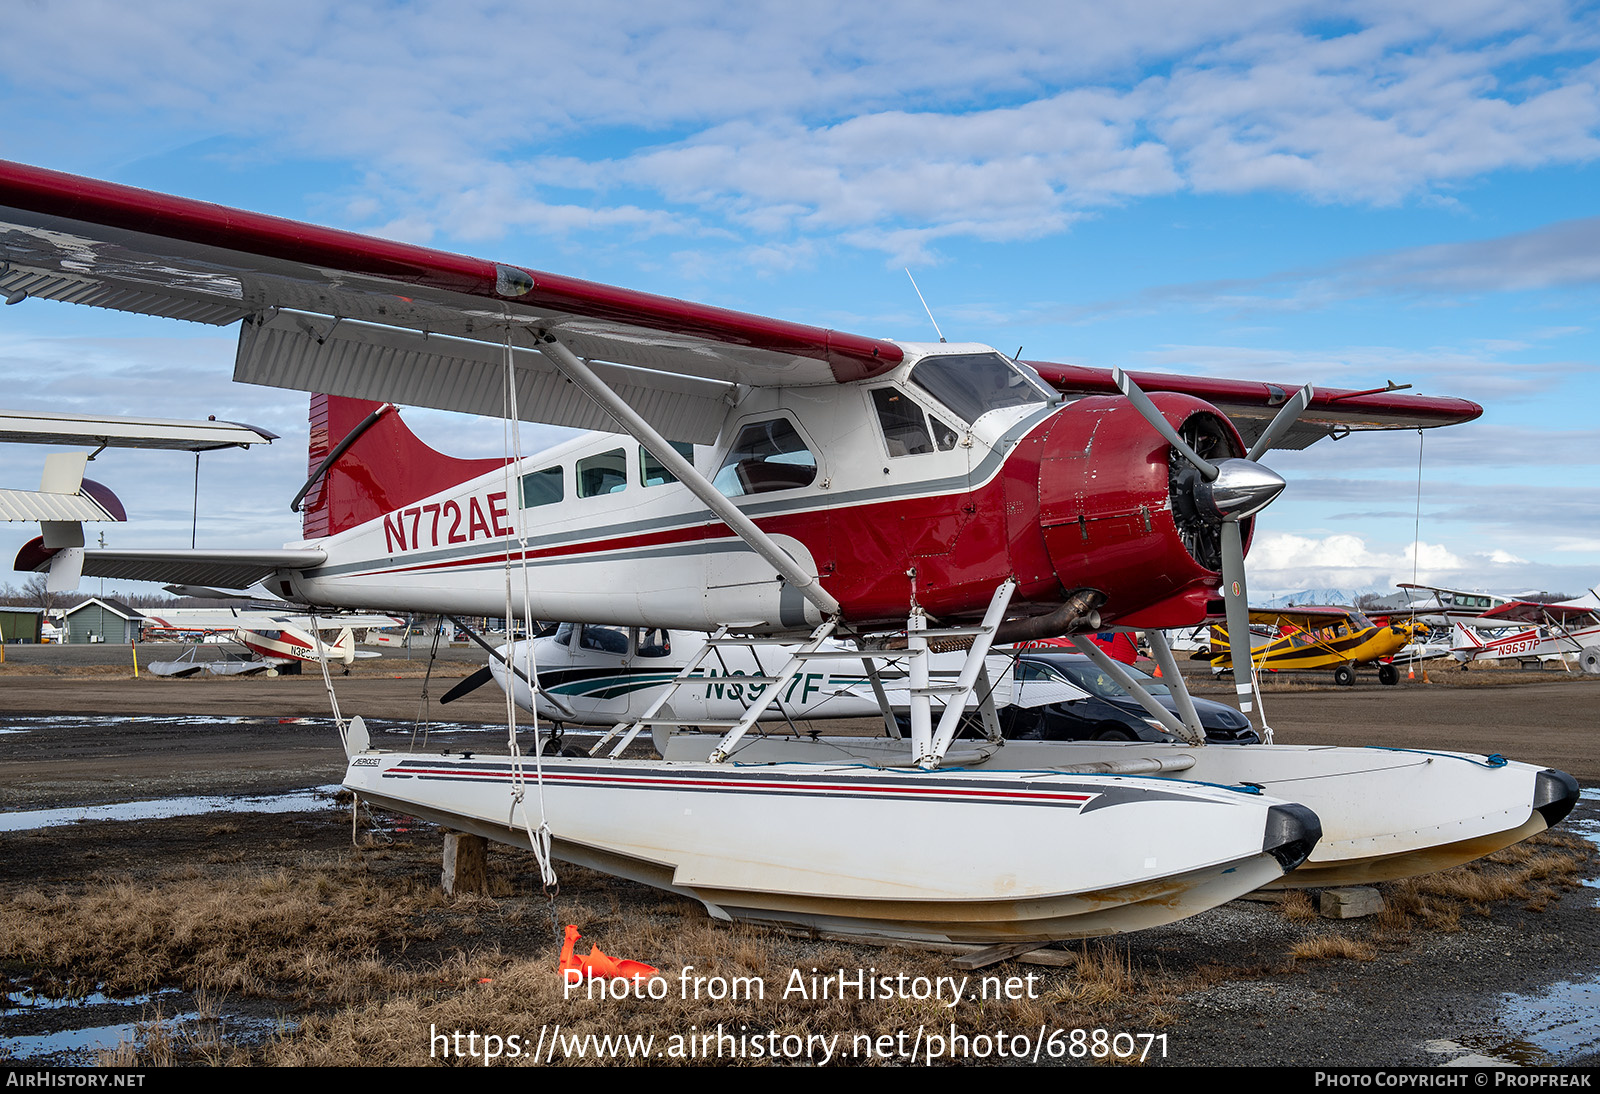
[873, 124]
[1280, 562]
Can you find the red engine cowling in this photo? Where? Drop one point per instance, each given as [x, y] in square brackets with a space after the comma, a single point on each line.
[1116, 511]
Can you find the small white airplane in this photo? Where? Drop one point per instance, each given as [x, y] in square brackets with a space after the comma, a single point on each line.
[777, 480]
[281, 637]
[1488, 627]
[596, 675]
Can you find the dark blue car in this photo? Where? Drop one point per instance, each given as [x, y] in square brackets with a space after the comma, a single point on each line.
[1104, 711]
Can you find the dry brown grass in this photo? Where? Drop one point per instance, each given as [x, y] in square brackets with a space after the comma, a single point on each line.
[245, 933]
[373, 963]
[1323, 947]
[373, 959]
[1534, 872]
[1298, 907]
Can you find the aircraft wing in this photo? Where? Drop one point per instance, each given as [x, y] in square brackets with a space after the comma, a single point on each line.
[337, 312]
[34, 427]
[1533, 611]
[1306, 618]
[1251, 404]
[229, 569]
[347, 314]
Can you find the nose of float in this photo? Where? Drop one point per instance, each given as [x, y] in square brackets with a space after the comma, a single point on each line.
[1242, 488]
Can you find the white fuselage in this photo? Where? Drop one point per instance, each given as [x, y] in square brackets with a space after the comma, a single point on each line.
[622, 549]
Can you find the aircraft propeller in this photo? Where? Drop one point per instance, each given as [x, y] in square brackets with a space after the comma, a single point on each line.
[1219, 496]
[470, 684]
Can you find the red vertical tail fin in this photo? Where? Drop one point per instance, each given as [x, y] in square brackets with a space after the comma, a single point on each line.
[385, 469]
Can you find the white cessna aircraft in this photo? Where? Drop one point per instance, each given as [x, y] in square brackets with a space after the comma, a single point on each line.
[776, 479]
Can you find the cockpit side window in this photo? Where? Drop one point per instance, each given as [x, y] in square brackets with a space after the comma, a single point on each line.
[767, 456]
[907, 431]
[905, 427]
[972, 384]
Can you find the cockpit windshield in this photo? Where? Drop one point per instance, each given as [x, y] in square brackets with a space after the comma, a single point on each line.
[972, 384]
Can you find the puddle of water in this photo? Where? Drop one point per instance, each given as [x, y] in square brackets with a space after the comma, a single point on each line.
[52, 721]
[1551, 1028]
[81, 1045]
[301, 802]
[27, 723]
[27, 999]
[1562, 1023]
[1588, 827]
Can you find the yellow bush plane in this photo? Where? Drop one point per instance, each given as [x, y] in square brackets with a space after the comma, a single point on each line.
[1320, 637]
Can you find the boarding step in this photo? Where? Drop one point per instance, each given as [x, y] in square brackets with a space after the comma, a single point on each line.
[955, 632]
[844, 655]
[713, 723]
[759, 640]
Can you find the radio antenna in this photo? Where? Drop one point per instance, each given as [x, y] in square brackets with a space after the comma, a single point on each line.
[925, 307]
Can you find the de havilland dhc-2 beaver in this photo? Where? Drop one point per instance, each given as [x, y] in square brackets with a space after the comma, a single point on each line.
[779, 481]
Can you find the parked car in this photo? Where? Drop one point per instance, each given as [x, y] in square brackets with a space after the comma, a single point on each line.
[1097, 708]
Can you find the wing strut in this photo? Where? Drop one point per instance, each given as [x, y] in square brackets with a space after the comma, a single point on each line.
[1137, 690]
[579, 372]
[1176, 684]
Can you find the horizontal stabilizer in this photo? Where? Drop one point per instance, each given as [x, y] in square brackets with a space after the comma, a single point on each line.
[228, 569]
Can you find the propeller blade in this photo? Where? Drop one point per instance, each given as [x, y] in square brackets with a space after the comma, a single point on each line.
[1147, 410]
[1281, 423]
[468, 686]
[1236, 602]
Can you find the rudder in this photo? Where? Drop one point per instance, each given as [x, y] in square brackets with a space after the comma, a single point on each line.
[387, 468]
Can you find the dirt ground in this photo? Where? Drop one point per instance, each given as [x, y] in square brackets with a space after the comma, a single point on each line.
[1236, 985]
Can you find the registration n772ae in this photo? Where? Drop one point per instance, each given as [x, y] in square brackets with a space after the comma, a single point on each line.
[770, 478]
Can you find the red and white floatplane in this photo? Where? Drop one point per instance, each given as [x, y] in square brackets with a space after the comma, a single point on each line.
[776, 480]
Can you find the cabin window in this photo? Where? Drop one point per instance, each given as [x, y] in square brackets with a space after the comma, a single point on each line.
[564, 634]
[604, 640]
[972, 384]
[606, 473]
[651, 470]
[655, 642]
[543, 487]
[767, 456]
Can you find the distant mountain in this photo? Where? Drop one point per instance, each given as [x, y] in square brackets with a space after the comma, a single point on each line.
[1320, 596]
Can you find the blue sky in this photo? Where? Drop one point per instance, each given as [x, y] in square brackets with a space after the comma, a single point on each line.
[1336, 193]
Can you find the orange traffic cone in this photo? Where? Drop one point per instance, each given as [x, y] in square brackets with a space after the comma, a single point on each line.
[595, 963]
